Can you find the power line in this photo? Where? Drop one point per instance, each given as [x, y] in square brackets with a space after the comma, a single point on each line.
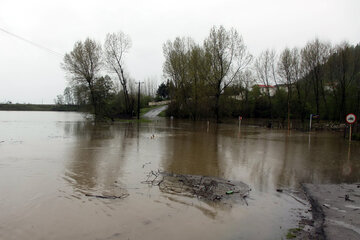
[32, 43]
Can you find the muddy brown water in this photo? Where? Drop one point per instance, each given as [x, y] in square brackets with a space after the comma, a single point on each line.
[50, 161]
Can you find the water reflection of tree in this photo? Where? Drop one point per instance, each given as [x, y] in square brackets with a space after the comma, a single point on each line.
[192, 150]
[98, 156]
[269, 159]
[286, 173]
[261, 169]
[318, 161]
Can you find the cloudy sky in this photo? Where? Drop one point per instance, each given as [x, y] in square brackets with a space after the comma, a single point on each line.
[29, 74]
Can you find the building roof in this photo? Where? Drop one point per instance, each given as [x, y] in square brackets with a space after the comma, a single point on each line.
[265, 86]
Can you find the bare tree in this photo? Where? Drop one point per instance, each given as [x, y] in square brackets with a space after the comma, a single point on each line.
[68, 96]
[247, 80]
[83, 64]
[342, 71]
[244, 84]
[150, 86]
[314, 55]
[115, 47]
[266, 73]
[302, 86]
[59, 100]
[228, 57]
[288, 68]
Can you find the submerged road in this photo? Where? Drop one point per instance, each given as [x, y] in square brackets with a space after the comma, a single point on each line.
[153, 113]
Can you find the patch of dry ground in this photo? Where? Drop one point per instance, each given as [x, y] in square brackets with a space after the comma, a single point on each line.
[336, 207]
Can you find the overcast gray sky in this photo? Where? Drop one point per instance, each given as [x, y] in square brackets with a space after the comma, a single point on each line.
[32, 75]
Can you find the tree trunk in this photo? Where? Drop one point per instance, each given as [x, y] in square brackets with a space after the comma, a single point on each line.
[270, 103]
[343, 103]
[128, 108]
[217, 99]
[93, 99]
[288, 108]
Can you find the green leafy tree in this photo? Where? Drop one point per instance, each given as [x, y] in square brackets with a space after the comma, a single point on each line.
[228, 57]
[83, 64]
[163, 91]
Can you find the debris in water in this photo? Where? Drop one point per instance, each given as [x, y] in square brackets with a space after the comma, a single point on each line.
[208, 188]
[347, 198]
[107, 196]
[145, 164]
[326, 205]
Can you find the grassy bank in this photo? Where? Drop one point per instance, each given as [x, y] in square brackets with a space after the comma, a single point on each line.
[162, 114]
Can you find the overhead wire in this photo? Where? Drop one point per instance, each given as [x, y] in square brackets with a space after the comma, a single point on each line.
[31, 42]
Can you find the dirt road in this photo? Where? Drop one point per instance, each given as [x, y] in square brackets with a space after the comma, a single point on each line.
[155, 112]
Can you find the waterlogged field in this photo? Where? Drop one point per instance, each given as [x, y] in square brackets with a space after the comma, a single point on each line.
[52, 164]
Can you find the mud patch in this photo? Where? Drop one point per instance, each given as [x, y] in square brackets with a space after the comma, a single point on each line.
[202, 187]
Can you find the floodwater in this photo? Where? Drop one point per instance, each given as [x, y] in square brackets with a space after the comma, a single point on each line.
[49, 161]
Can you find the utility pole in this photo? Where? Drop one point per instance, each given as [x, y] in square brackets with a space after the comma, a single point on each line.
[138, 115]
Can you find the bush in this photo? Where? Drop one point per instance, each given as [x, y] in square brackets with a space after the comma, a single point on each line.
[356, 136]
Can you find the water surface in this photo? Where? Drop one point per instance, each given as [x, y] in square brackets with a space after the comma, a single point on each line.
[49, 161]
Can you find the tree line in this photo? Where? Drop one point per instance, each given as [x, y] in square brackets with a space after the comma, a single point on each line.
[220, 78]
[89, 67]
